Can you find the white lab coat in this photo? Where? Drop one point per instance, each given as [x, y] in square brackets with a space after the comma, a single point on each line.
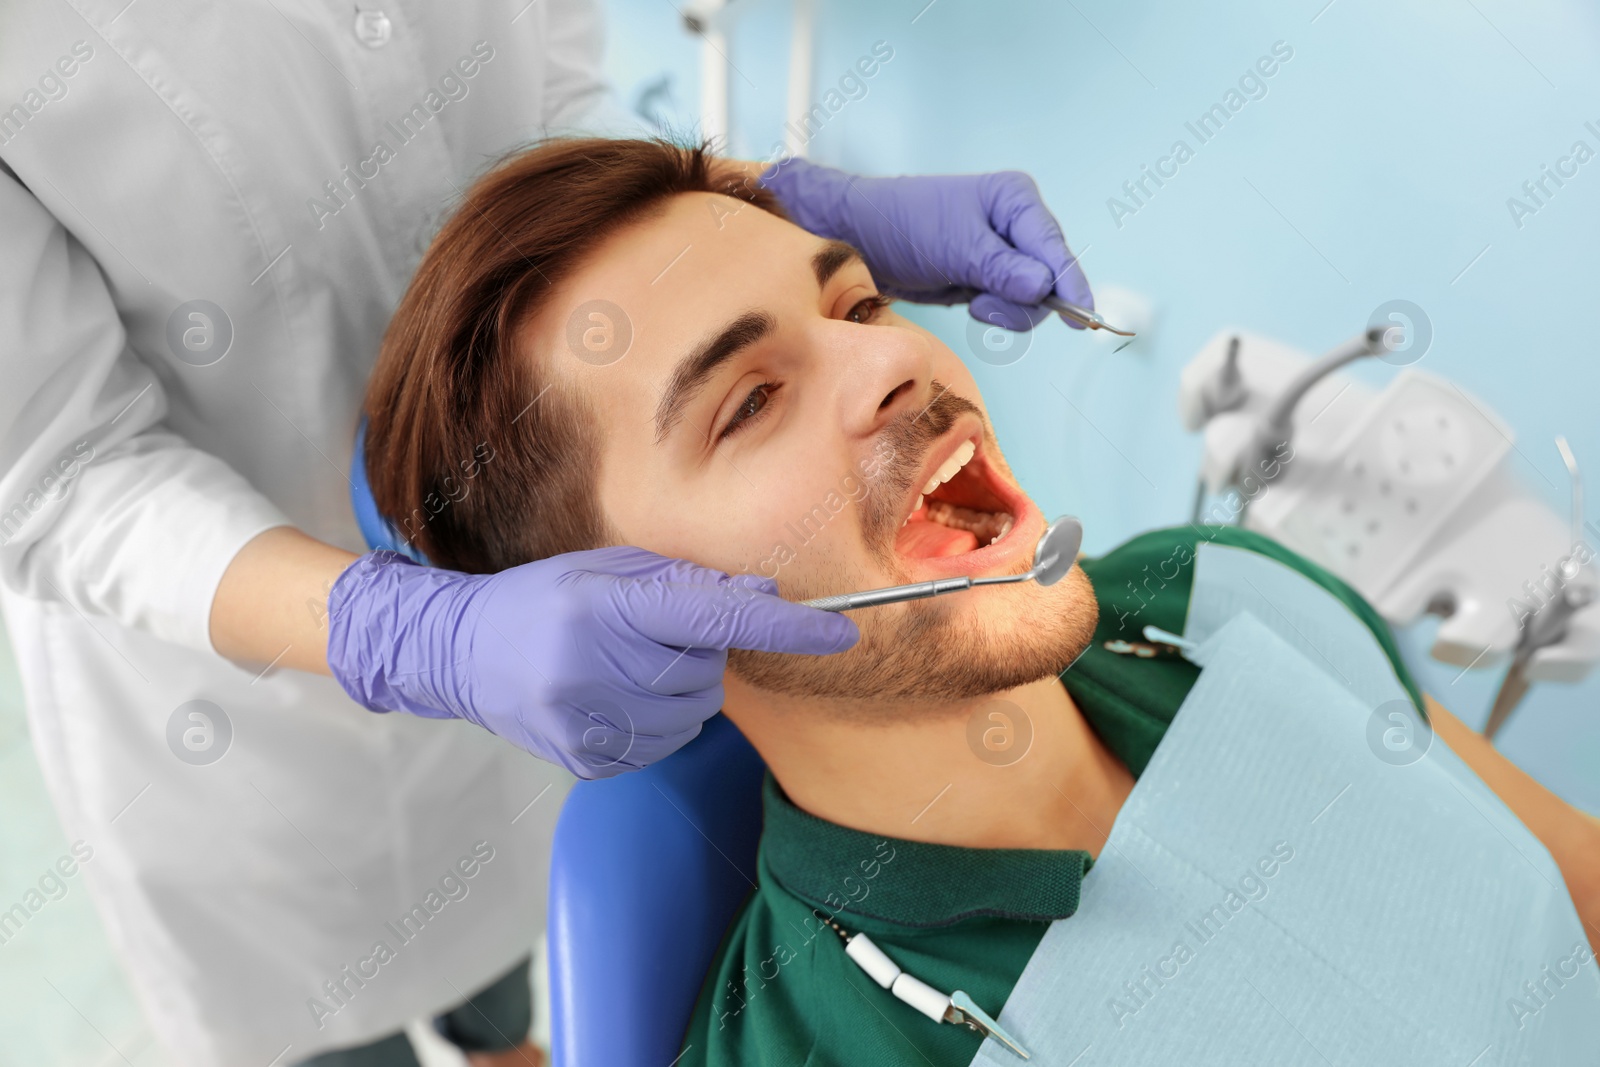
[169, 151]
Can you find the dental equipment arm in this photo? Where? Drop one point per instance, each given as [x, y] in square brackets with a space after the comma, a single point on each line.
[1549, 622]
[1277, 427]
[1368, 343]
[1272, 430]
[601, 661]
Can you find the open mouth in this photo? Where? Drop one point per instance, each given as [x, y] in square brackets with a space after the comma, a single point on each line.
[966, 517]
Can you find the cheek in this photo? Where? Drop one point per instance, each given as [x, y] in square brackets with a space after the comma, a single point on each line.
[713, 518]
[759, 511]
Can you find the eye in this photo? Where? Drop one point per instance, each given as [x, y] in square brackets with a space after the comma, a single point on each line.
[754, 406]
[868, 310]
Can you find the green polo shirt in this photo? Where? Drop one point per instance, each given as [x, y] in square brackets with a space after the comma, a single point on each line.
[782, 993]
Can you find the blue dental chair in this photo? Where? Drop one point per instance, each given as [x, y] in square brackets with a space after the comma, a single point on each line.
[647, 871]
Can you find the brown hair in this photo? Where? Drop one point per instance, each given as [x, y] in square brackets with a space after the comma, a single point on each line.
[464, 455]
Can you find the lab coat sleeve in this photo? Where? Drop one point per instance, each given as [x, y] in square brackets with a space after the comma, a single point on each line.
[101, 506]
[578, 99]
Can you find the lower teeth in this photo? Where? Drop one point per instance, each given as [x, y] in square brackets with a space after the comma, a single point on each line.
[987, 526]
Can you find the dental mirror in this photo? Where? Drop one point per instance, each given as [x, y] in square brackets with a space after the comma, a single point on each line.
[1053, 557]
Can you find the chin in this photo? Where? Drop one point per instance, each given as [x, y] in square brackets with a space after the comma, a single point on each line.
[945, 506]
[947, 650]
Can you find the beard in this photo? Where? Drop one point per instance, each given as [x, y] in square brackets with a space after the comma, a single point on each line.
[943, 650]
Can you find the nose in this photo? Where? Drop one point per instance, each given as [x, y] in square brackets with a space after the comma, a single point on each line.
[880, 371]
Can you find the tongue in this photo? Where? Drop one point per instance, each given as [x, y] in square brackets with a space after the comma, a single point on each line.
[920, 539]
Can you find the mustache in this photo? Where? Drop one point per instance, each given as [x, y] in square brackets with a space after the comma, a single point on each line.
[907, 439]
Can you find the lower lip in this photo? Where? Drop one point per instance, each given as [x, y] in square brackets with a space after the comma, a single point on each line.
[1000, 558]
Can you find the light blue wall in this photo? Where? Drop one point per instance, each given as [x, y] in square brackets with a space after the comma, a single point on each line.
[1377, 166]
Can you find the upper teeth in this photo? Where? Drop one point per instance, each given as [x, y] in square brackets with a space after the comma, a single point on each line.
[956, 461]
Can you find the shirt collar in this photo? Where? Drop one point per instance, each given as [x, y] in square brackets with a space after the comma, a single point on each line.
[920, 884]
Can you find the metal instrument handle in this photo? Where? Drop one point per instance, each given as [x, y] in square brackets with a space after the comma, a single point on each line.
[1082, 316]
[871, 598]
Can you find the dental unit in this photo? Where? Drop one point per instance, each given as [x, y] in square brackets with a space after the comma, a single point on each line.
[1407, 493]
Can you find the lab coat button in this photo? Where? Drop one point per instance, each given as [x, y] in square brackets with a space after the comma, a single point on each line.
[373, 27]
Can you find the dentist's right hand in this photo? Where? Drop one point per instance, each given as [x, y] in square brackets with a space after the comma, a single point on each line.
[601, 661]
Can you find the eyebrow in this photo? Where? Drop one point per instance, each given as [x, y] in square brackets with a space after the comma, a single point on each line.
[695, 369]
[832, 257]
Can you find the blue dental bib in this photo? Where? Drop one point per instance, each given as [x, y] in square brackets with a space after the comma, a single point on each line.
[1304, 875]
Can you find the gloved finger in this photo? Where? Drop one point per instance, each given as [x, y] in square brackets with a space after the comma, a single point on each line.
[626, 561]
[999, 268]
[1031, 228]
[640, 754]
[644, 730]
[1073, 287]
[1019, 215]
[664, 670]
[649, 716]
[992, 310]
[620, 730]
[738, 614]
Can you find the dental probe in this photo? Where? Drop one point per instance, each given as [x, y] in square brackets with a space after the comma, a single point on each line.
[1053, 557]
[1082, 316]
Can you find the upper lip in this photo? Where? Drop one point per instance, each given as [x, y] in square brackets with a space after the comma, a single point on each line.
[1006, 556]
[967, 428]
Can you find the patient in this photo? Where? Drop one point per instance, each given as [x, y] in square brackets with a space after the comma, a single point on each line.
[655, 357]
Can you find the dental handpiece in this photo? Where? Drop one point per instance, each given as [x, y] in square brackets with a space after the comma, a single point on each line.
[1082, 316]
[1053, 557]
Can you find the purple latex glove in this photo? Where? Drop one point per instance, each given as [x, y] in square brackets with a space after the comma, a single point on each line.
[983, 238]
[602, 661]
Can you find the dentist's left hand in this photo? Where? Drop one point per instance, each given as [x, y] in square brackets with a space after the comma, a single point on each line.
[601, 661]
[987, 239]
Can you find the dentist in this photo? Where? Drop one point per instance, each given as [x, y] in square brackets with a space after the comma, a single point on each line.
[209, 212]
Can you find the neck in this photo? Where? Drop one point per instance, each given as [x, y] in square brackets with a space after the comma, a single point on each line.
[922, 779]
